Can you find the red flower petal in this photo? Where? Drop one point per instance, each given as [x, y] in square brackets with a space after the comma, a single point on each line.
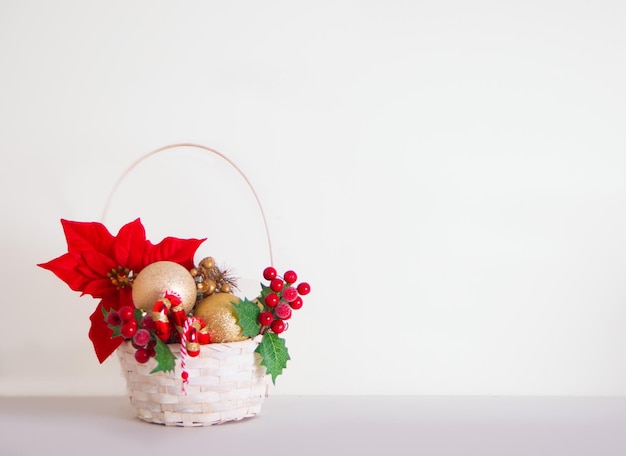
[129, 245]
[100, 288]
[65, 268]
[99, 264]
[84, 236]
[125, 298]
[180, 251]
[100, 333]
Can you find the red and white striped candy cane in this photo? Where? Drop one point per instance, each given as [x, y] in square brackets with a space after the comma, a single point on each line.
[183, 354]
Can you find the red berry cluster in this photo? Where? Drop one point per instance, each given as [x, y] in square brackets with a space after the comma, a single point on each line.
[140, 333]
[280, 298]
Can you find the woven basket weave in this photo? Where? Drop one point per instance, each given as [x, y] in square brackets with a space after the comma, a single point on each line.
[226, 383]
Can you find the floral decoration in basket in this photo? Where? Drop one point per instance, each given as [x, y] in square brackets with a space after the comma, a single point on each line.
[160, 309]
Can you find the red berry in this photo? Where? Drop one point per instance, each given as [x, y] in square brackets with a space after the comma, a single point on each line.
[283, 311]
[128, 329]
[184, 375]
[278, 326]
[276, 284]
[266, 318]
[269, 273]
[142, 355]
[141, 337]
[271, 300]
[147, 323]
[304, 288]
[113, 319]
[290, 277]
[126, 313]
[290, 293]
[296, 303]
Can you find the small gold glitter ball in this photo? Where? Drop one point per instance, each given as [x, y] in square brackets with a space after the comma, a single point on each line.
[159, 277]
[207, 263]
[219, 314]
[210, 285]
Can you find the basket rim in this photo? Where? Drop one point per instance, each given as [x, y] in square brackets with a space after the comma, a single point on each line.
[176, 345]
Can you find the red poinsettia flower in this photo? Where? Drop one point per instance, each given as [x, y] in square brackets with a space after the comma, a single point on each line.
[104, 266]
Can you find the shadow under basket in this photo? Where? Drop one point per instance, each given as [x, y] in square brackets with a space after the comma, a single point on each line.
[226, 383]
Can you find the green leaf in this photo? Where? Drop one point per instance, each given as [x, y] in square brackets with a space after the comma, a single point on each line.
[164, 357]
[117, 331]
[274, 354]
[265, 290]
[248, 317]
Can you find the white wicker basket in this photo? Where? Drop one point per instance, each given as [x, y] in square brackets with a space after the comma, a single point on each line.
[226, 383]
[226, 380]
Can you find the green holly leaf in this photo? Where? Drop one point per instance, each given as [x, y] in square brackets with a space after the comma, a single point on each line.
[248, 317]
[274, 354]
[164, 357]
[117, 331]
[265, 290]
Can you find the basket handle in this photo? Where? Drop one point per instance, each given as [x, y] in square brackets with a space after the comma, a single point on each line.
[203, 148]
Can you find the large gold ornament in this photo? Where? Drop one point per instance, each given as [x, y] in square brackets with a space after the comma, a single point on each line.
[219, 314]
[159, 277]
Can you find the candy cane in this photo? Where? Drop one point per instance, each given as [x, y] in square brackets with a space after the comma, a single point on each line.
[183, 354]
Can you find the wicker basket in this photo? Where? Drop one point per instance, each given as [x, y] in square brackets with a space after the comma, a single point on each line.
[226, 383]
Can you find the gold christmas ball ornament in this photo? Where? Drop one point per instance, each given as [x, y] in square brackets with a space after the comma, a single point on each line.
[219, 314]
[159, 277]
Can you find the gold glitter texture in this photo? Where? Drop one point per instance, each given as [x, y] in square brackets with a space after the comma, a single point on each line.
[159, 277]
[219, 314]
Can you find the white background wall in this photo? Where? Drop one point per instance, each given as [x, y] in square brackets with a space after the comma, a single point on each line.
[448, 175]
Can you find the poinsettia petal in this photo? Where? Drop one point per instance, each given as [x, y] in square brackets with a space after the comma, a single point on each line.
[66, 267]
[88, 273]
[129, 244]
[83, 236]
[126, 297]
[100, 288]
[100, 333]
[181, 251]
[99, 263]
